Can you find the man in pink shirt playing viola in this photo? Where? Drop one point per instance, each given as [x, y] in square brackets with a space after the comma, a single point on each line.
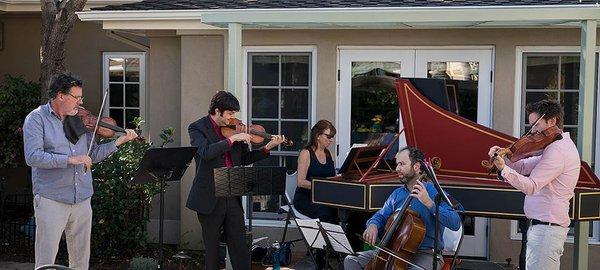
[548, 181]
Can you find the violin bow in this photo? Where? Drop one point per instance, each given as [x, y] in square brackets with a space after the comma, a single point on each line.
[96, 127]
[534, 123]
[98, 121]
[391, 253]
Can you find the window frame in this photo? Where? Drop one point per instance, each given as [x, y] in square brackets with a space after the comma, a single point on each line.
[519, 111]
[142, 83]
[246, 99]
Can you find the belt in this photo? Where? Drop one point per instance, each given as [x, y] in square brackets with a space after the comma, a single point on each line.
[539, 222]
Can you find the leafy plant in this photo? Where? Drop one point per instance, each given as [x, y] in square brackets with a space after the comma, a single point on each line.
[120, 207]
[17, 98]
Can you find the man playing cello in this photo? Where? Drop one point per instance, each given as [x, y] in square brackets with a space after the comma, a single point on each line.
[408, 167]
[548, 182]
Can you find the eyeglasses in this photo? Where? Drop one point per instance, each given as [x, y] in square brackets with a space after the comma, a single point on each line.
[329, 136]
[78, 98]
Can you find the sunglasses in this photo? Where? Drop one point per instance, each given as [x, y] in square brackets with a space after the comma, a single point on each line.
[329, 136]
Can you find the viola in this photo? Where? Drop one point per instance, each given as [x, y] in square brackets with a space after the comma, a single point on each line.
[106, 126]
[257, 132]
[530, 144]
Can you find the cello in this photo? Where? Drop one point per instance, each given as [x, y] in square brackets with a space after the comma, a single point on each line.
[404, 232]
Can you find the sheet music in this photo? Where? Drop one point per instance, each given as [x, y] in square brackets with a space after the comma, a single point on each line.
[310, 229]
[337, 238]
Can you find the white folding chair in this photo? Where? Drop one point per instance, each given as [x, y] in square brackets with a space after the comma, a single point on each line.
[290, 190]
[452, 242]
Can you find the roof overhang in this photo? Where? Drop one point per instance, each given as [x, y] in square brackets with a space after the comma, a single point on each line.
[34, 5]
[409, 17]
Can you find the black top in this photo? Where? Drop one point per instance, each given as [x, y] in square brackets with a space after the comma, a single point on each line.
[317, 169]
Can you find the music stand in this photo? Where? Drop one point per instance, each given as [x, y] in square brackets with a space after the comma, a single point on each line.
[326, 236]
[249, 181]
[163, 164]
[441, 196]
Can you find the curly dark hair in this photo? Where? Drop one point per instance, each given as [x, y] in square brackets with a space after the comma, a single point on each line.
[551, 109]
[62, 83]
[224, 101]
[414, 154]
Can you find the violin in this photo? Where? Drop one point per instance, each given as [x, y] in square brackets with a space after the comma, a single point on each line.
[106, 126]
[528, 145]
[257, 132]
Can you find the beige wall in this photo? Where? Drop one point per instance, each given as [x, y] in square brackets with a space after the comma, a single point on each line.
[163, 95]
[21, 53]
[201, 77]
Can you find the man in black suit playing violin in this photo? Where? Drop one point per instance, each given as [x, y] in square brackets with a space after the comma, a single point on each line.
[214, 151]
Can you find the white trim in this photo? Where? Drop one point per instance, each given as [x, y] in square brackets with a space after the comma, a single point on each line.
[244, 102]
[479, 14]
[143, 93]
[518, 92]
[276, 49]
[270, 223]
[520, 50]
[450, 47]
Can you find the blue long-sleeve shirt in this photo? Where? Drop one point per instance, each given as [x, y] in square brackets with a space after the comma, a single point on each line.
[47, 151]
[447, 216]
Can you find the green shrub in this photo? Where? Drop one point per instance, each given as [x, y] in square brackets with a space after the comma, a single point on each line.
[142, 263]
[120, 208]
[17, 99]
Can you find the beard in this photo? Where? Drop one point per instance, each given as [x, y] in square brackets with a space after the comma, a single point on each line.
[407, 177]
[73, 112]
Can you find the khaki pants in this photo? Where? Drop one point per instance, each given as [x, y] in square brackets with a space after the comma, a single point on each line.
[51, 219]
[545, 245]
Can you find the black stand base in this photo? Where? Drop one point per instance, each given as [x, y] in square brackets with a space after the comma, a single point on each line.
[524, 226]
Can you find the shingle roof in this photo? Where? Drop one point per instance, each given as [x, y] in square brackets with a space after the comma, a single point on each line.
[269, 4]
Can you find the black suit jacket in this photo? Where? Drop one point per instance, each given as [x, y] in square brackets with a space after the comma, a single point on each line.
[209, 156]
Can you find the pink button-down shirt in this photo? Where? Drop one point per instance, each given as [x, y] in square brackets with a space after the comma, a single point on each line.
[548, 181]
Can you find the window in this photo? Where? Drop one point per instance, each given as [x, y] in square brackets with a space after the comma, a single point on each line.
[552, 75]
[124, 77]
[280, 94]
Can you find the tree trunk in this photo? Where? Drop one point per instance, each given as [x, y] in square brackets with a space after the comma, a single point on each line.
[58, 19]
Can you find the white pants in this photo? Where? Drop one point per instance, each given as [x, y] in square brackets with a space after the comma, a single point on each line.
[51, 219]
[545, 245]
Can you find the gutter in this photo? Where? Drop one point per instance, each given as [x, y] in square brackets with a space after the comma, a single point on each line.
[408, 14]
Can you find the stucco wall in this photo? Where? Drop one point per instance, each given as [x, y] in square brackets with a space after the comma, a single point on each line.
[21, 53]
[163, 95]
[201, 77]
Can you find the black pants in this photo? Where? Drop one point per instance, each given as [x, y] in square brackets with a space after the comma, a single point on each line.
[228, 215]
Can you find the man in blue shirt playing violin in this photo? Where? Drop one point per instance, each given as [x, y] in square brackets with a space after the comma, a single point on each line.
[408, 167]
